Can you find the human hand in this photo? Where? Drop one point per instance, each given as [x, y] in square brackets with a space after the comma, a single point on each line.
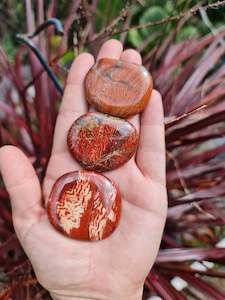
[114, 268]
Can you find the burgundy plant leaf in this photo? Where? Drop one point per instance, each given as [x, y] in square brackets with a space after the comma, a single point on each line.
[176, 268]
[152, 282]
[182, 254]
[203, 286]
[153, 276]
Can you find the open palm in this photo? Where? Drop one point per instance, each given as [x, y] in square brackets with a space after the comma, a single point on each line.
[116, 267]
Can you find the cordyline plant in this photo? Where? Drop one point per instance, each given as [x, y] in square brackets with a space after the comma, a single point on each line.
[191, 78]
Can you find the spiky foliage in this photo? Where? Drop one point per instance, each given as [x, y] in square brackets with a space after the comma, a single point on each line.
[190, 76]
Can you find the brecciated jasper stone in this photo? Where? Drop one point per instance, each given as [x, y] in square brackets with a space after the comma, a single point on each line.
[101, 142]
[84, 205]
[117, 87]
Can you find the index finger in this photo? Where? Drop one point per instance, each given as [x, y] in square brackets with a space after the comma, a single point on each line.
[73, 103]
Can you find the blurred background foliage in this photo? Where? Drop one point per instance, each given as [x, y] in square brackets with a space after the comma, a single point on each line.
[13, 20]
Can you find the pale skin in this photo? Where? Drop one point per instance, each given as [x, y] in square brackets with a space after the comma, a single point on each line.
[115, 268]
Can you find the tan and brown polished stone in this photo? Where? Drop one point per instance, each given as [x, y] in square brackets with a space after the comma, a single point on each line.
[117, 87]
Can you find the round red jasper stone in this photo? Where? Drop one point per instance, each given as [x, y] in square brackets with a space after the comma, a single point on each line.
[100, 142]
[84, 205]
[117, 87]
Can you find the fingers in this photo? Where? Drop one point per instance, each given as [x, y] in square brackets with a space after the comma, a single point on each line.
[111, 49]
[132, 56]
[151, 150]
[22, 185]
[73, 103]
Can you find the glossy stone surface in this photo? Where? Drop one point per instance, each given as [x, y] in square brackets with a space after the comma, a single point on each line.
[100, 142]
[117, 87]
[84, 205]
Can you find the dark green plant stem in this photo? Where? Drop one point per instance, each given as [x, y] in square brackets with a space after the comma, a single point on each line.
[26, 39]
[55, 22]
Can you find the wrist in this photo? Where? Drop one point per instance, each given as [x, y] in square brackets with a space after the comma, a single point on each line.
[88, 298]
[111, 298]
[91, 296]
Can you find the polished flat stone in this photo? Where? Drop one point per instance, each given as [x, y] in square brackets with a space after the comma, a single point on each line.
[84, 205]
[101, 142]
[117, 87]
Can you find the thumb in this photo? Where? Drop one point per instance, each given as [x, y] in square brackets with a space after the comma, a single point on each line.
[23, 187]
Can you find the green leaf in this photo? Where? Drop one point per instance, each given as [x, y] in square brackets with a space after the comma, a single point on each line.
[134, 37]
[8, 46]
[67, 58]
[107, 11]
[149, 3]
[187, 33]
[152, 14]
[56, 40]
